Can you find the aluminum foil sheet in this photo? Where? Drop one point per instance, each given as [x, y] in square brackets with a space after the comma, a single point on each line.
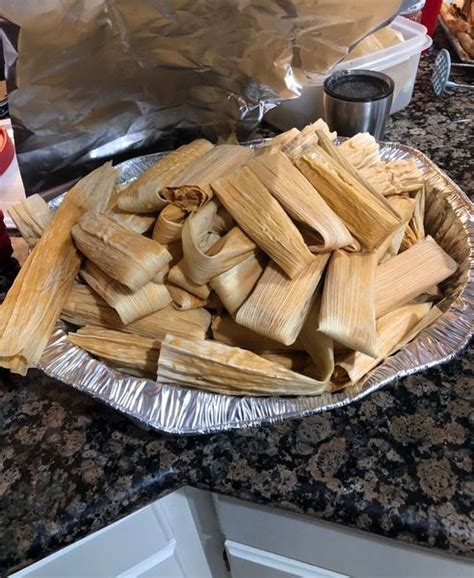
[178, 410]
[90, 80]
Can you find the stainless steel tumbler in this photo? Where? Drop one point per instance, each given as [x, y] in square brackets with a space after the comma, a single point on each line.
[358, 101]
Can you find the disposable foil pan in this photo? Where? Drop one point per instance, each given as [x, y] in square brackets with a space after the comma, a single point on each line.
[180, 410]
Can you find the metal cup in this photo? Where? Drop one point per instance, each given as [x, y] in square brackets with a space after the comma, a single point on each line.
[358, 101]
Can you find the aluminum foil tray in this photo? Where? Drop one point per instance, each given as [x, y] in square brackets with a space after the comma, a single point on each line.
[180, 410]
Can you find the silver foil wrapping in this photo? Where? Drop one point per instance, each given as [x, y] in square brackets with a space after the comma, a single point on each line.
[99, 78]
[179, 410]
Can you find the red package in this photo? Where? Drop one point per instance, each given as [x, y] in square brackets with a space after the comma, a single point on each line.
[6, 248]
[429, 16]
[7, 150]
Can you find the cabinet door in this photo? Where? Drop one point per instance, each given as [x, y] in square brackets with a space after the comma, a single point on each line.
[248, 562]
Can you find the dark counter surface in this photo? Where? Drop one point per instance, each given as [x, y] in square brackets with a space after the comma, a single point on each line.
[397, 464]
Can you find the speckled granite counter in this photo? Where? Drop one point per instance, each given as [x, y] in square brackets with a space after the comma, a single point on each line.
[396, 464]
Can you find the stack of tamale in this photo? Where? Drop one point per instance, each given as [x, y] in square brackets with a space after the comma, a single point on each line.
[291, 269]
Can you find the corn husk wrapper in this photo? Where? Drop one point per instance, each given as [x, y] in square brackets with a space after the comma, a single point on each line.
[226, 330]
[394, 177]
[278, 306]
[128, 351]
[294, 360]
[223, 221]
[177, 277]
[356, 176]
[85, 307]
[235, 285]
[129, 258]
[306, 140]
[36, 298]
[183, 300]
[139, 223]
[348, 301]
[392, 329]
[319, 346]
[278, 141]
[415, 231]
[130, 305]
[364, 214]
[169, 224]
[362, 150]
[300, 200]
[411, 273]
[31, 217]
[260, 215]
[201, 265]
[162, 275]
[405, 207]
[192, 189]
[143, 194]
[176, 251]
[219, 368]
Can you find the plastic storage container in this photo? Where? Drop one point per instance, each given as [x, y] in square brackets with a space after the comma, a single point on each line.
[400, 62]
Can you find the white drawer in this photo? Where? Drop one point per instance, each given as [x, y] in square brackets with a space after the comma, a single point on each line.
[107, 552]
[321, 544]
[248, 562]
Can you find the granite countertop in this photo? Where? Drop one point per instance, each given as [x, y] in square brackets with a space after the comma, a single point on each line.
[396, 464]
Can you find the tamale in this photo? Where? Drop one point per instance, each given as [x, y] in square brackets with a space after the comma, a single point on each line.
[162, 275]
[394, 177]
[202, 264]
[183, 300]
[129, 258]
[130, 305]
[320, 347]
[391, 329]
[226, 330]
[223, 221]
[300, 200]
[348, 309]
[278, 306]
[263, 219]
[177, 277]
[306, 140]
[143, 194]
[31, 217]
[294, 360]
[279, 141]
[169, 225]
[191, 189]
[415, 231]
[364, 214]
[391, 246]
[129, 351]
[235, 285]
[217, 367]
[139, 223]
[411, 273]
[85, 307]
[36, 298]
[362, 150]
[176, 251]
[351, 173]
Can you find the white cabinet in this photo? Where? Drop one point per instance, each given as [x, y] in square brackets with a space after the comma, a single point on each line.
[159, 541]
[248, 562]
[321, 547]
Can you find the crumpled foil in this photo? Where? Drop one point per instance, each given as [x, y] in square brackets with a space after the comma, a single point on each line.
[99, 78]
[179, 410]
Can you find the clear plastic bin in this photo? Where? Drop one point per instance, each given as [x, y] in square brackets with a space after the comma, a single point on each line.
[400, 62]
